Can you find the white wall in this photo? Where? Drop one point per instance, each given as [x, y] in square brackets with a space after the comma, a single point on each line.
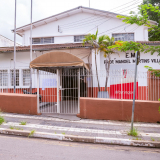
[146, 60]
[5, 42]
[80, 24]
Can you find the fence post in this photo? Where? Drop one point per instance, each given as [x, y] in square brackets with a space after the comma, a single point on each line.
[58, 107]
[37, 91]
[79, 90]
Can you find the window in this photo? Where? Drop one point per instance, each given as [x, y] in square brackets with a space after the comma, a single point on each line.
[123, 36]
[17, 77]
[26, 77]
[3, 78]
[43, 40]
[79, 38]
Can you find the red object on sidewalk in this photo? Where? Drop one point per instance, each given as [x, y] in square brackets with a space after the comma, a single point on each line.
[123, 91]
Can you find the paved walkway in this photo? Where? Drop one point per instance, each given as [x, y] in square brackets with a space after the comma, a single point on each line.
[83, 127]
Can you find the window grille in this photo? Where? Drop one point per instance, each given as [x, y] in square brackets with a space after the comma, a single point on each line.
[43, 40]
[79, 38]
[17, 77]
[26, 77]
[3, 78]
[123, 36]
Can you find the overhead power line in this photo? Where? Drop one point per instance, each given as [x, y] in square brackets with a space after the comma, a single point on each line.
[82, 24]
[79, 21]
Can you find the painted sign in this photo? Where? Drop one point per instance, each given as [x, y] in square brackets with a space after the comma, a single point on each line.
[123, 91]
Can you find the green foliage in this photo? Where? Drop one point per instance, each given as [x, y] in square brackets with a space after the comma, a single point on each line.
[1, 120]
[31, 133]
[17, 128]
[152, 139]
[137, 138]
[124, 46]
[105, 43]
[133, 133]
[153, 36]
[63, 133]
[142, 18]
[23, 123]
[100, 44]
[153, 71]
[91, 39]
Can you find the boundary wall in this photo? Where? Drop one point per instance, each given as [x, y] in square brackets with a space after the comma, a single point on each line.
[18, 103]
[119, 110]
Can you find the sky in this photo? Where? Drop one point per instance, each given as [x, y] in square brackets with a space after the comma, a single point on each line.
[46, 8]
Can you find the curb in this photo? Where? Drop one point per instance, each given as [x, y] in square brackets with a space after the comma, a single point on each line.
[84, 139]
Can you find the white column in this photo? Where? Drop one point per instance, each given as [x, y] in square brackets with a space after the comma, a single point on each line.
[58, 107]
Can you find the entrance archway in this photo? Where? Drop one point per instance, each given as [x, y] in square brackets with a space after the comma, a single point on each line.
[58, 82]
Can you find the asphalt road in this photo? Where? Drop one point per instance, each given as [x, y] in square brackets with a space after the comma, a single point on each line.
[19, 148]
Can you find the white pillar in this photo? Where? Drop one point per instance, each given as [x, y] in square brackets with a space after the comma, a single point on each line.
[37, 91]
[58, 107]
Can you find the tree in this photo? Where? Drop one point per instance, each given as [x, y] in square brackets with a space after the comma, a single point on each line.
[96, 43]
[107, 54]
[142, 18]
[101, 44]
[155, 17]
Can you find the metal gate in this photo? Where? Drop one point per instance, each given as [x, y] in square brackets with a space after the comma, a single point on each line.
[59, 90]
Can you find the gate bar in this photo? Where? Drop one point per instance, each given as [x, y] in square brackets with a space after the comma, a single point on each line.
[79, 90]
[58, 107]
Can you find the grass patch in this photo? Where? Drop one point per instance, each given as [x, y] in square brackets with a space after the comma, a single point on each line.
[133, 133]
[137, 138]
[1, 120]
[17, 128]
[23, 123]
[152, 139]
[63, 133]
[31, 133]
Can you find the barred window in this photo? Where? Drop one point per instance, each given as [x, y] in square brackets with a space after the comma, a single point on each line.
[79, 38]
[26, 77]
[17, 77]
[123, 36]
[43, 40]
[3, 78]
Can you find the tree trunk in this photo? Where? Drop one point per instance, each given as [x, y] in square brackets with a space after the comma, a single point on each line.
[97, 71]
[107, 71]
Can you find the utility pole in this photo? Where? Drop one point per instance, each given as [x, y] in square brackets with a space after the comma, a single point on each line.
[14, 74]
[134, 93]
[31, 51]
[89, 3]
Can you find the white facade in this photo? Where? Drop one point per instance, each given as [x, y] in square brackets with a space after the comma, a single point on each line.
[69, 27]
[80, 21]
[5, 42]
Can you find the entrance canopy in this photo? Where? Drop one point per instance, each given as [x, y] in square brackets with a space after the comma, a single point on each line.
[57, 59]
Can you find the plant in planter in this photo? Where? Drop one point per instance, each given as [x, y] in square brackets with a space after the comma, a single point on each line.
[97, 44]
[106, 42]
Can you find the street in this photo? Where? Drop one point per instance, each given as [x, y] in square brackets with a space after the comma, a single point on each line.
[20, 148]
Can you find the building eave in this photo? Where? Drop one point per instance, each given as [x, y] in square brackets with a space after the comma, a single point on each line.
[64, 14]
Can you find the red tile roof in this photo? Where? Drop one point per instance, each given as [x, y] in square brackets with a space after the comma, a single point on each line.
[45, 47]
[60, 46]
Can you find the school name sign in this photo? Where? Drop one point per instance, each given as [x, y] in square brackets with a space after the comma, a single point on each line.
[129, 59]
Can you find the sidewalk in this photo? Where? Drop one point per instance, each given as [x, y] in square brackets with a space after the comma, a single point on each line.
[82, 130]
